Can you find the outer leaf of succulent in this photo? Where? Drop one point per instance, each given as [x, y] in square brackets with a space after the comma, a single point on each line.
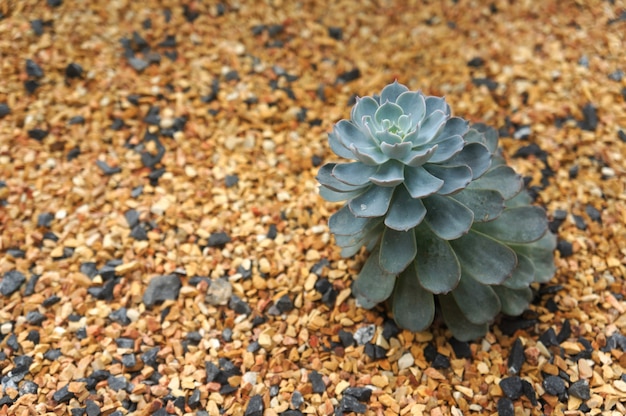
[441, 213]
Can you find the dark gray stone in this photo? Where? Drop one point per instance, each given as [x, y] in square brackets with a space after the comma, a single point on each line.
[11, 282]
[255, 406]
[580, 389]
[160, 288]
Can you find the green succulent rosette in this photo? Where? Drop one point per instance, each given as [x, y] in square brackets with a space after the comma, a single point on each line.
[445, 220]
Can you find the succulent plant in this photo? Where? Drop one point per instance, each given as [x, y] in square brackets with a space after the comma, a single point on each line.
[446, 221]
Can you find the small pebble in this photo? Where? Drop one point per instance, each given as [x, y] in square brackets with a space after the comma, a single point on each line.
[317, 383]
[364, 334]
[161, 288]
[297, 399]
[4, 110]
[580, 389]
[11, 282]
[554, 385]
[512, 387]
[219, 239]
[219, 292]
[505, 407]
[255, 406]
[63, 395]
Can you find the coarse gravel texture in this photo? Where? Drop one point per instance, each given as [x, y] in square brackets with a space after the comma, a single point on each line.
[150, 148]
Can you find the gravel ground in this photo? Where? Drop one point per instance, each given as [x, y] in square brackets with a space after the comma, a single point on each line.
[164, 250]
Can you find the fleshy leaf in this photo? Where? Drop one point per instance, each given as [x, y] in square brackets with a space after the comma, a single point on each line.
[351, 244]
[355, 173]
[485, 259]
[369, 155]
[455, 126]
[447, 218]
[413, 105]
[349, 135]
[343, 222]
[438, 269]
[413, 307]
[490, 134]
[334, 196]
[459, 325]
[523, 275]
[417, 158]
[447, 148]
[338, 147]
[325, 177]
[474, 155]
[404, 212]
[392, 91]
[404, 122]
[388, 111]
[502, 179]
[436, 104]
[430, 126]
[486, 204]
[397, 151]
[420, 183]
[388, 138]
[397, 250]
[372, 203]
[454, 178]
[389, 174]
[365, 106]
[514, 302]
[517, 225]
[372, 285]
[479, 302]
[541, 253]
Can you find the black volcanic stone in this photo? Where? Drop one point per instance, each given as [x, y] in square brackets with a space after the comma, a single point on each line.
[317, 383]
[160, 288]
[565, 332]
[350, 404]
[362, 394]
[505, 407]
[63, 395]
[92, 408]
[594, 213]
[106, 169]
[239, 305]
[28, 387]
[31, 86]
[461, 348]
[476, 62]
[37, 134]
[218, 239]
[348, 76]
[346, 338]
[554, 385]
[37, 26]
[516, 357]
[35, 317]
[580, 389]
[590, 118]
[11, 282]
[117, 383]
[33, 69]
[255, 406]
[51, 300]
[74, 70]
[284, 304]
[548, 338]
[4, 110]
[512, 387]
[44, 219]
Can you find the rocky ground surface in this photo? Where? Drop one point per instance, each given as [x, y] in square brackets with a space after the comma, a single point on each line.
[164, 250]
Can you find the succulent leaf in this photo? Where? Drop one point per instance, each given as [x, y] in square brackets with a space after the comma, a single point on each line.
[338, 147]
[388, 111]
[523, 275]
[447, 218]
[413, 306]
[372, 203]
[438, 268]
[334, 196]
[405, 212]
[414, 105]
[475, 156]
[483, 258]
[396, 151]
[486, 204]
[350, 135]
[365, 106]
[517, 225]
[430, 126]
[540, 253]
[420, 183]
[462, 328]
[343, 222]
[392, 91]
[479, 302]
[326, 178]
[417, 158]
[389, 174]
[356, 173]
[454, 178]
[373, 285]
[502, 179]
[455, 126]
[514, 301]
[447, 148]
[397, 250]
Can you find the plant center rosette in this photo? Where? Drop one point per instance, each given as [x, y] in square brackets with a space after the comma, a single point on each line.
[446, 222]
